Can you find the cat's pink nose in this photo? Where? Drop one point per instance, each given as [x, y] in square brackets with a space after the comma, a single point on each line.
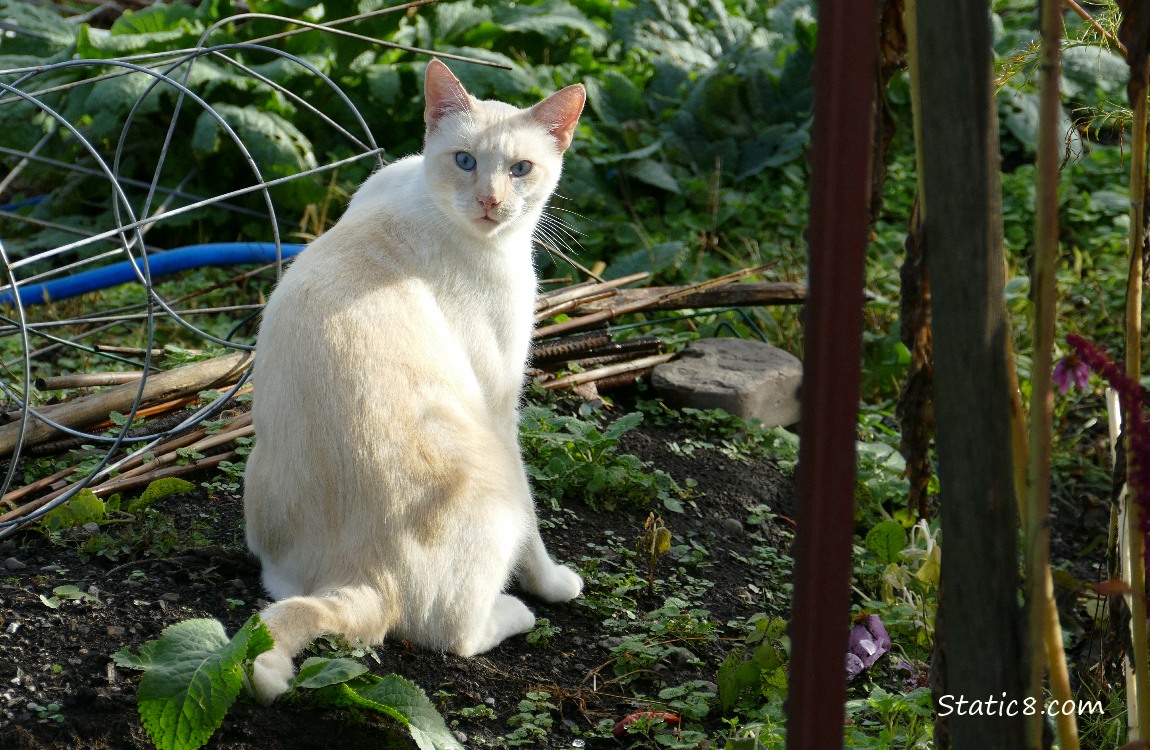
[487, 201]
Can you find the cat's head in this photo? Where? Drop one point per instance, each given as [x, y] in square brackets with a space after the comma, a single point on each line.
[492, 166]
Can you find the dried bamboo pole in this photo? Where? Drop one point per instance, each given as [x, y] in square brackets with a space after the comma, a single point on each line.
[132, 350]
[133, 480]
[124, 484]
[86, 380]
[573, 303]
[1044, 630]
[1138, 662]
[199, 446]
[728, 295]
[644, 302]
[10, 498]
[159, 387]
[585, 289]
[579, 378]
[164, 453]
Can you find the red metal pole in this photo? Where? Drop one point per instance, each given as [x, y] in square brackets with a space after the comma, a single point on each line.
[840, 184]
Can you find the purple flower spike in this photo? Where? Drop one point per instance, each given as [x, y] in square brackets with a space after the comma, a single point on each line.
[1069, 371]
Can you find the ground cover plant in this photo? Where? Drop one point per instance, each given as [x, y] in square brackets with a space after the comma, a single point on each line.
[690, 162]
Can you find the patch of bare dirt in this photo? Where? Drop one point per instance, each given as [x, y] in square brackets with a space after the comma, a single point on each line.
[59, 688]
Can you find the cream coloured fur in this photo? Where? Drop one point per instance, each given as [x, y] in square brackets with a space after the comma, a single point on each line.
[386, 495]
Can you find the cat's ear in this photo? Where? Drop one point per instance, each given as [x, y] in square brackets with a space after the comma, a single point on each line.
[444, 94]
[559, 113]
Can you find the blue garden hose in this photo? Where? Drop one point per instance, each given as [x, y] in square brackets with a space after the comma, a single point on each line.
[159, 264]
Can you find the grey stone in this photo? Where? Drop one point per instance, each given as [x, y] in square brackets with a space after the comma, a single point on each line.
[731, 527]
[750, 379]
[13, 564]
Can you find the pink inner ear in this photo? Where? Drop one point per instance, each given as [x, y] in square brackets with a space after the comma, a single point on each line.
[444, 94]
[559, 113]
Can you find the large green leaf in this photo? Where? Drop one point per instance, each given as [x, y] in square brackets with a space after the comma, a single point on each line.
[192, 675]
[400, 699]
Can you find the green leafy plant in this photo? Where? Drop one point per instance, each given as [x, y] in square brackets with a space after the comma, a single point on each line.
[193, 673]
[542, 633]
[569, 457]
[757, 669]
[61, 594]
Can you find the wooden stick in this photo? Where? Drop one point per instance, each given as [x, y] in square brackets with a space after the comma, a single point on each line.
[150, 411]
[123, 484]
[120, 484]
[159, 387]
[10, 498]
[746, 294]
[585, 289]
[573, 303]
[86, 379]
[133, 350]
[198, 446]
[578, 378]
[166, 452]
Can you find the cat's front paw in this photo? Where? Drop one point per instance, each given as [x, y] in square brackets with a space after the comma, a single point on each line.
[271, 674]
[560, 585]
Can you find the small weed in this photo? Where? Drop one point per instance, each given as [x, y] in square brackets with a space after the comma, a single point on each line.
[531, 725]
[61, 594]
[50, 712]
[542, 633]
[482, 712]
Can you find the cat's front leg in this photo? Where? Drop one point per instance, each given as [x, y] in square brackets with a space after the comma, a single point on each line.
[542, 577]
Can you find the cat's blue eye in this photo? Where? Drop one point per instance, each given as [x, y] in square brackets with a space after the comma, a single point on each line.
[520, 168]
[465, 161]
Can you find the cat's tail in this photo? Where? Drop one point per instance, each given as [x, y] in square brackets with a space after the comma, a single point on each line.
[355, 612]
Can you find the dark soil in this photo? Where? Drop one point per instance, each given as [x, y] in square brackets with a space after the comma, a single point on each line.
[59, 688]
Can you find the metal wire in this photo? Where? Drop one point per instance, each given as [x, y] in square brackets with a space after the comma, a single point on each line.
[157, 317]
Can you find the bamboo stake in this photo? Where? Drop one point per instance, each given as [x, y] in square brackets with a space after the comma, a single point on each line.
[573, 303]
[131, 350]
[1042, 614]
[665, 296]
[123, 484]
[86, 380]
[579, 378]
[586, 289]
[164, 453]
[159, 387]
[1140, 717]
[199, 446]
[10, 498]
[727, 295]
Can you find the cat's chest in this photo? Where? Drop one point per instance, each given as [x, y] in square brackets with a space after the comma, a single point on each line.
[491, 317]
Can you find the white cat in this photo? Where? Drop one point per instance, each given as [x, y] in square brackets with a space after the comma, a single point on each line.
[386, 494]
